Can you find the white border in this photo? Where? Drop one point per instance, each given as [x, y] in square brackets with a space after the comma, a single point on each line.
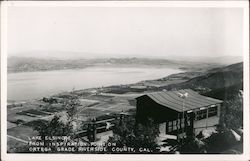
[48, 157]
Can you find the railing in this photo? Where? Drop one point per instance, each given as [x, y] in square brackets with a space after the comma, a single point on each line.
[95, 129]
[107, 120]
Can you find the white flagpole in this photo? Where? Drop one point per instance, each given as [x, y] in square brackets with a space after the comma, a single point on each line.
[183, 118]
[183, 96]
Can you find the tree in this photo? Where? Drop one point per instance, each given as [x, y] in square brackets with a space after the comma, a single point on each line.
[232, 113]
[62, 125]
[45, 128]
[129, 134]
[54, 128]
[193, 145]
[71, 107]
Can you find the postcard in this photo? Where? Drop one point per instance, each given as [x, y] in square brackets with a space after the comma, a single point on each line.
[127, 80]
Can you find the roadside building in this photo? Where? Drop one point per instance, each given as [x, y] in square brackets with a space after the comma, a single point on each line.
[138, 88]
[179, 113]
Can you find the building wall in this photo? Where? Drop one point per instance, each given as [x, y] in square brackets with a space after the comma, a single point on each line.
[207, 123]
[147, 108]
[201, 124]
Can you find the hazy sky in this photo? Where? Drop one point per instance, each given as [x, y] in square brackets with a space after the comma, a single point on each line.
[131, 31]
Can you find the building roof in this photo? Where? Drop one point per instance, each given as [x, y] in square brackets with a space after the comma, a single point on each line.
[172, 100]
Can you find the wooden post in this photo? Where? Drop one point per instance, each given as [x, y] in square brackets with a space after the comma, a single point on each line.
[185, 124]
[162, 128]
[180, 125]
[192, 123]
[218, 109]
[177, 126]
[207, 116]
[94, 131]
[121, 119]
[191, 128]
[172, 125]
[167, 127]
[89, 132]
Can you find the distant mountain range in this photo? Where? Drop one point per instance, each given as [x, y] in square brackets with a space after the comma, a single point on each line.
[67, 55]
[28, 64]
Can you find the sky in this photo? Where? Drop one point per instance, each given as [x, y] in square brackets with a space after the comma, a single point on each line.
[124, 31]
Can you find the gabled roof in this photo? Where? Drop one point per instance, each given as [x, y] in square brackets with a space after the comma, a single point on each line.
[172, 100]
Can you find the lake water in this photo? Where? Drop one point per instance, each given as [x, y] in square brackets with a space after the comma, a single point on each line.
[30, 85]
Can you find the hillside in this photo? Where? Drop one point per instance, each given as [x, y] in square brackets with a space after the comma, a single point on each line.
[222, 83]
[26, 64]
[219, 77]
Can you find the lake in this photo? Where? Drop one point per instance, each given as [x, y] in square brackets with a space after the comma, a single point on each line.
[31, 85]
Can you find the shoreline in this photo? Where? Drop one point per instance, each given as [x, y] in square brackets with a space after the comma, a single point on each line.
[178, 77]
[98, 66]
[180, 71]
